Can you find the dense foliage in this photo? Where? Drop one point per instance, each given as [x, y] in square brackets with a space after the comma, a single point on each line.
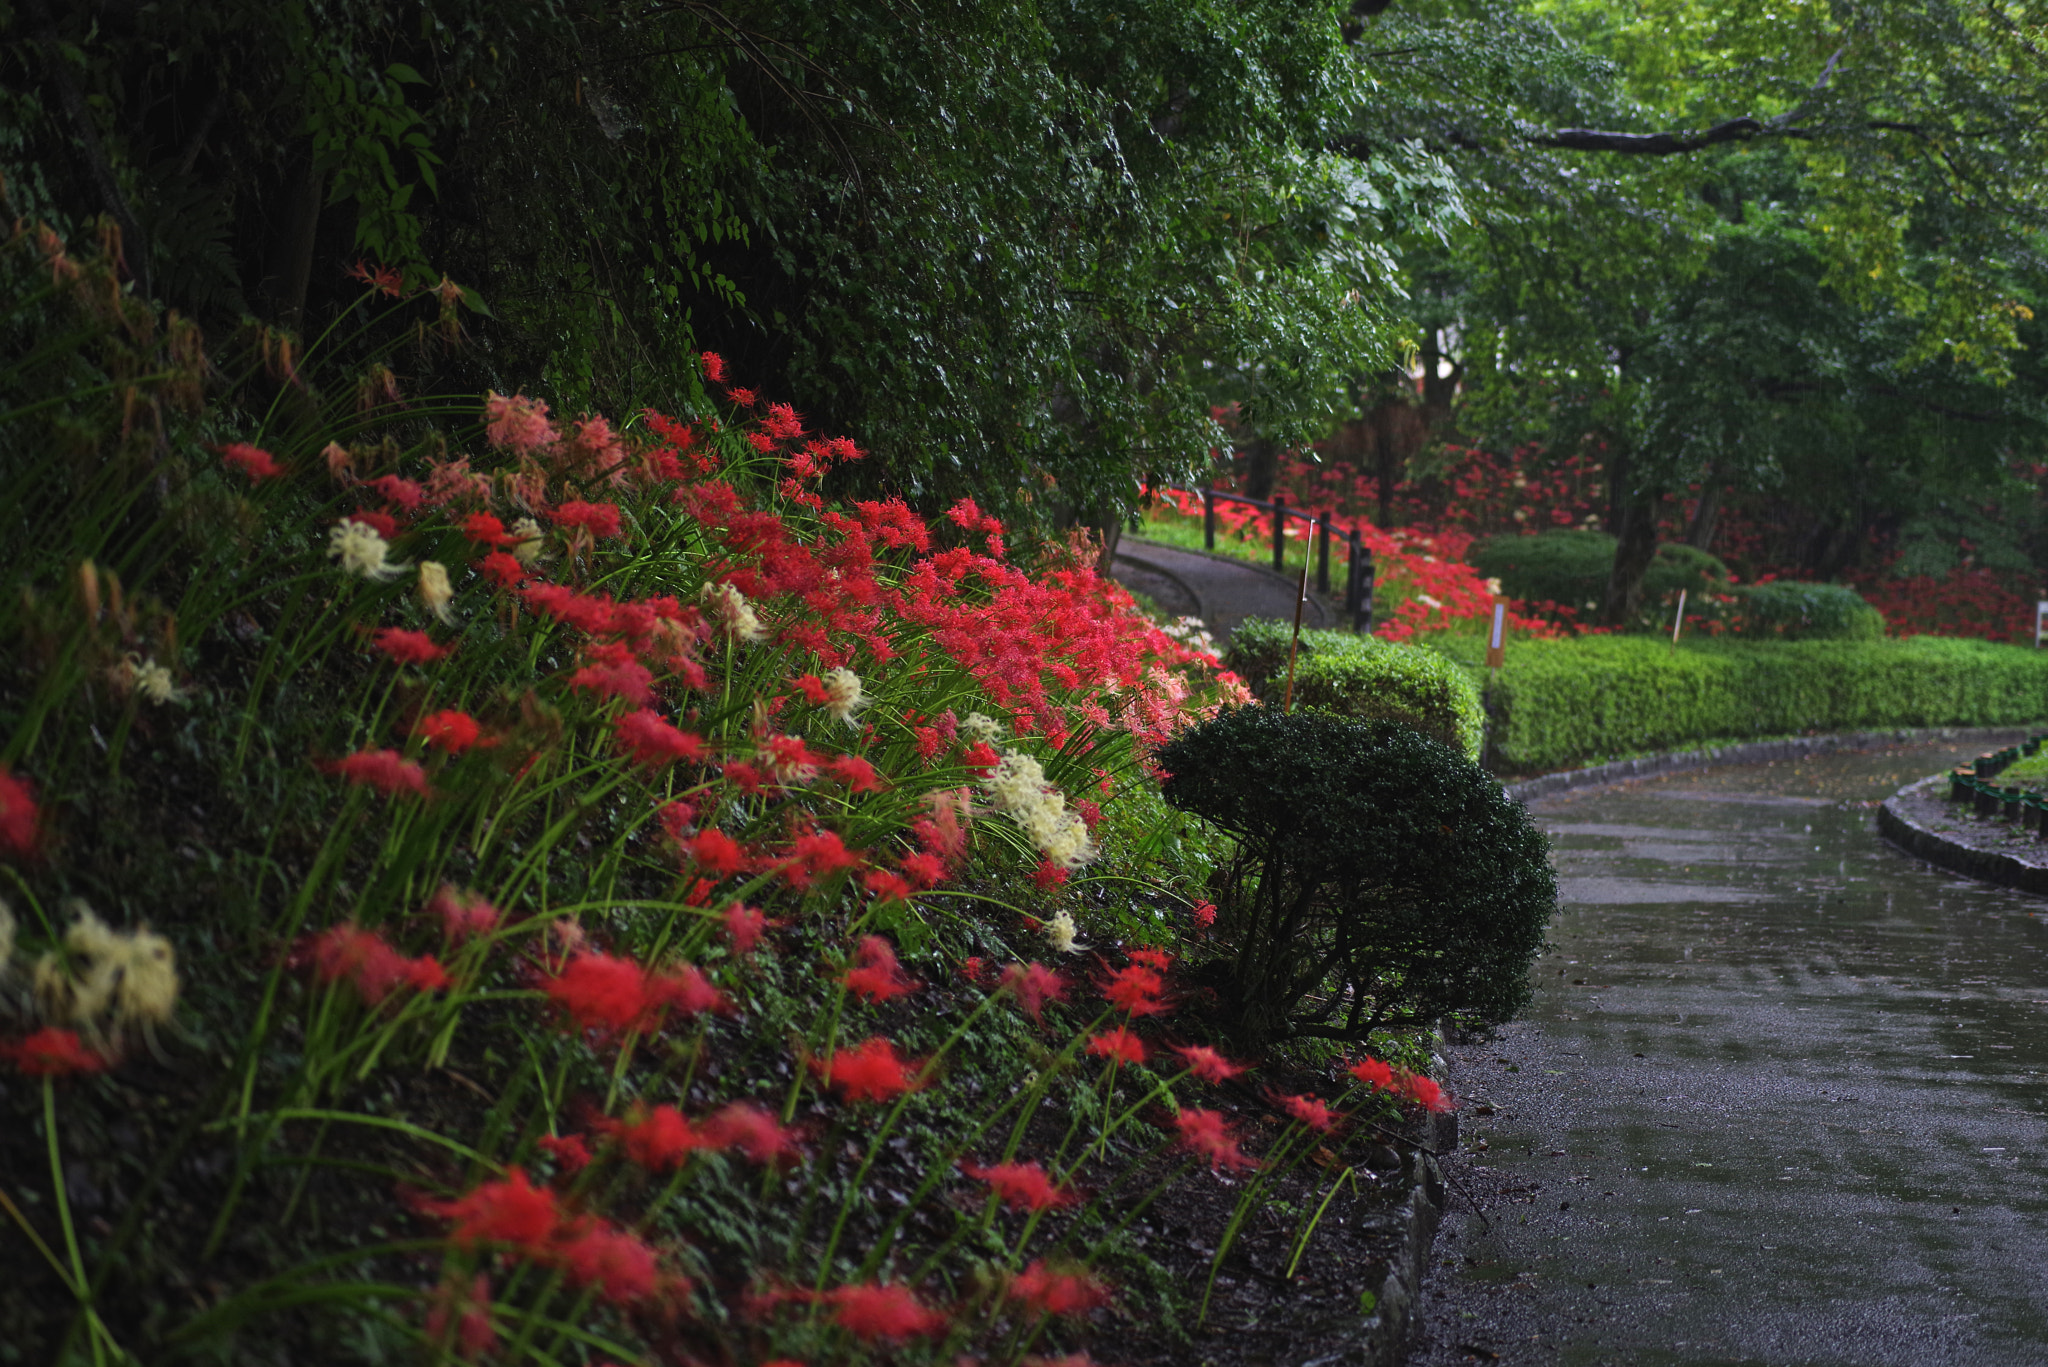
[1381, 876]
[1359, 676]
[1016, 251]
[1783, 256]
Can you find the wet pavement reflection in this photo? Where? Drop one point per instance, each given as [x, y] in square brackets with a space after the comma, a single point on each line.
[1778, 1098]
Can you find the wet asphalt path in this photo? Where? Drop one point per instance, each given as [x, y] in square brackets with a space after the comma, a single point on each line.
[1779, 1098]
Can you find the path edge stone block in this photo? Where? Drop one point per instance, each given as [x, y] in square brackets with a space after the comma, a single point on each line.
[1897, 823]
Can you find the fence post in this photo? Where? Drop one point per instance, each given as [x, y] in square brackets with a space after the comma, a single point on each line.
[1365, 582]
[1208, 517]
[1351, 573]
[1323, 554]
[1279, 534]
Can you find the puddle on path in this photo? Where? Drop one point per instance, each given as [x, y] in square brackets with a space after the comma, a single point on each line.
[1779, 1098]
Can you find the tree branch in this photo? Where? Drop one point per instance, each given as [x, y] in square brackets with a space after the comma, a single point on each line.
[1662, 144]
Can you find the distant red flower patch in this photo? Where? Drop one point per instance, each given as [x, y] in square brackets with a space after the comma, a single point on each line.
[19, 816]
[385, 770]
[253, 461]
[408, 647]
[51, 1052]
[876, 974]
[872, 1071]
[449, 730]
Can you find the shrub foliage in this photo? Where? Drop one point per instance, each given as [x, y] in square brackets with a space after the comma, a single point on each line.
[1363, 677]
[1560, 702]
[1382, 878]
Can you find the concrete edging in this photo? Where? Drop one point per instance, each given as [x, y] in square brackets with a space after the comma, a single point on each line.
[1988, 866]
[1749, 752]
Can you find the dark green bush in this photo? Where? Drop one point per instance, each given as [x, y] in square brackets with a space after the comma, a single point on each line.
[1381, 879]
[1570, 568]
[1803, 612]
[1360, 676]
[1562, 702]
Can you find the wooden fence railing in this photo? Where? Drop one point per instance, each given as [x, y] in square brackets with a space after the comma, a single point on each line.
[1358, 577]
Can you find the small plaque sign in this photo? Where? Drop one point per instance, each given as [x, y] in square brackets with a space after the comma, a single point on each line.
[1496, 639]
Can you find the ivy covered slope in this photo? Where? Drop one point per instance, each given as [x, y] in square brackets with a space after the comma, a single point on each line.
[486, 885]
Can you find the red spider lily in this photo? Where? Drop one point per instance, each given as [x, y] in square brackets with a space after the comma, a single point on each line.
[717, 853]
[1425, 1092]
[612, 672]
[872, 1071]
[1203, 914]
[818, 854]
[599, 519]
[253, 461]
[1057, 1293]
[369, 963]
[887, 886]
[1137, 990]
[463, 914]
[649, 739]
[714, 367]
[570, 1153]
[1119, 1044]
[877, 976]
[51, 1052]
[19, 816]
[407, 494]
[684, 988]
[753, 1131]
[518, 423]
[622, 1267]
[857, 774]
[782, 422]
[744, 926]
[1206, 1064]
[658, 1140]
[385, 770]
[503, 569]
[789, 759]
[981, 759]
[487, 530]
[512, 1211]
[1310, 1111]
[1034, 985]
[408, 647]
[1021, 1186]
[1048, 876]
[1158, 960]
[384, 279]
[923, 868]
[383, 523]
[460, 1317]
[604, 993]
[875, 1311]
[1373, 1073]
[1206, 1133]
[745, 398]
[448, 730]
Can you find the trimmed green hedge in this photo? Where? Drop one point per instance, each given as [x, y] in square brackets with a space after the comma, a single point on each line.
[1361, 676]
[1560, 702]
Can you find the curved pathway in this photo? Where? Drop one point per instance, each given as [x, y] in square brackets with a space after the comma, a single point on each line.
[1778, 1099]
[1219, 590]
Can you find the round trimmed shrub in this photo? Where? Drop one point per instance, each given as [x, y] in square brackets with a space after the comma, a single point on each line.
[1381, 878]
[1570, 568]
[1781, 610]
[1363, 677]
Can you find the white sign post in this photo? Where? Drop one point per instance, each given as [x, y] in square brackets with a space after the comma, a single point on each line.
[2040, 621]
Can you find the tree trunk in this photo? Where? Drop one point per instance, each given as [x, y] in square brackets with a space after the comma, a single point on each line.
[1635, 536]
[1261, 464]
[1701, 534]
[289, 269]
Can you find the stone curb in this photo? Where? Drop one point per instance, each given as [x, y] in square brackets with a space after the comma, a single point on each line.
[1751, 752]
[1989, 866]
[1381, 1337]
